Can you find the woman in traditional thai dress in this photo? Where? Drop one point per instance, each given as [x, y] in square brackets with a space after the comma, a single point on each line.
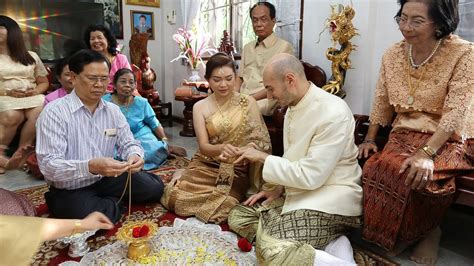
[142, 120]
[224, 122]
[426, 84]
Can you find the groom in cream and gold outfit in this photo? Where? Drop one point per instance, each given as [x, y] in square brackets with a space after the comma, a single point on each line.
[316, 196]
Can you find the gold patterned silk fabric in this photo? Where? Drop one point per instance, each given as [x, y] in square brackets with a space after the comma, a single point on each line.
[444, 98]
[20, 239]
[208, 188]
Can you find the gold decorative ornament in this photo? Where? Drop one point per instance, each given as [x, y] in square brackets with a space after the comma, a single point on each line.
[138, 46]
[136, 234]
[342, 30]
[138, 247]
[243, 101]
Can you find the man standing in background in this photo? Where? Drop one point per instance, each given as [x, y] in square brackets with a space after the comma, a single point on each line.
[257, 53]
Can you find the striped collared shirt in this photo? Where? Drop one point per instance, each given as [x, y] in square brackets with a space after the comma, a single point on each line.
[68, 135]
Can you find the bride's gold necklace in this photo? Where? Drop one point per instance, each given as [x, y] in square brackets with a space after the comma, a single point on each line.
[226, 124]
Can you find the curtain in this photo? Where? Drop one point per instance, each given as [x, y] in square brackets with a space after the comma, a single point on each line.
[288, 14]
[466, 22]
[189, 9]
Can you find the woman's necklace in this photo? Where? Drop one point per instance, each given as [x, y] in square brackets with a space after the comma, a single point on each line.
[411, 92]
[110, 57]
[226, 124]
[410, 55]
[123, 107]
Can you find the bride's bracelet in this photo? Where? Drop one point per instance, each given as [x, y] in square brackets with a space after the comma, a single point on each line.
[77, 227]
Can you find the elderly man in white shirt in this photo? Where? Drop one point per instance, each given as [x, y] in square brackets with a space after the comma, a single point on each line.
[77, 139]
[318, 175]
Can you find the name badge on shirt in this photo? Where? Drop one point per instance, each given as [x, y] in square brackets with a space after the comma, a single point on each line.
[111, 132]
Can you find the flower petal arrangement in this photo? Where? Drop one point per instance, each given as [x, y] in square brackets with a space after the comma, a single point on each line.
[132, 231]
[244, 245]
[192, 45]
[140, 231]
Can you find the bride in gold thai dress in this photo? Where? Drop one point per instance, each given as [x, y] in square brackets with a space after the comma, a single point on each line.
[224, 122]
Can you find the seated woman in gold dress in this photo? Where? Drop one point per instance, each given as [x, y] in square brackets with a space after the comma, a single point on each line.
[225, 121]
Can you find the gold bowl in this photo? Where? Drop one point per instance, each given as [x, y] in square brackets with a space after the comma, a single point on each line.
[137, 246]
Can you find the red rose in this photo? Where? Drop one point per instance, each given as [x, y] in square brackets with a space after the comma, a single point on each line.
[244, 244]
[144, 230]
[136, 232]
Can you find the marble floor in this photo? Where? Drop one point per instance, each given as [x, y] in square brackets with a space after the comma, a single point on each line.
[457, 241]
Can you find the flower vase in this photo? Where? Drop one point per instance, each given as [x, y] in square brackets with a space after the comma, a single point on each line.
[194, 75]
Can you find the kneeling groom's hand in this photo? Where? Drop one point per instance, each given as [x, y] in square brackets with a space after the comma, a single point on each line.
[251, 154]
[269, 196]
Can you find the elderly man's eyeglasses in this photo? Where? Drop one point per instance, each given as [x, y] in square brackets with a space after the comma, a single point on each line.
[414, 24]
[98, 79]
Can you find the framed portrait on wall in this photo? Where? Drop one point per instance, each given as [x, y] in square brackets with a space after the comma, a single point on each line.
[154, 3]
[113, 16]
[142, 22]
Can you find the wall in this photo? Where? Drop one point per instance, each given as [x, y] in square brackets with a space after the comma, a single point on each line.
[377, 31]
[161, 50]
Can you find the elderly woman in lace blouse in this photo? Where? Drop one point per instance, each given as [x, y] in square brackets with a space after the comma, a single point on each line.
[425, 90]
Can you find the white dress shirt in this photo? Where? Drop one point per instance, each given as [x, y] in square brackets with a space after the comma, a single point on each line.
[68, 135]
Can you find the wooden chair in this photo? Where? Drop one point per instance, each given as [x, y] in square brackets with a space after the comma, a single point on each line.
[274, 123]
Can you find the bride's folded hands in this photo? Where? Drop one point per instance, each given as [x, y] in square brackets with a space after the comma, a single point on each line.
[229, 154]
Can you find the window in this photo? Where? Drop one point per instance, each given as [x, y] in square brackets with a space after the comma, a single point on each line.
[215, 16]
[466, 20]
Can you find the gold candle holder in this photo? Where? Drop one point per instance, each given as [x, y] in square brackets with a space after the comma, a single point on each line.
[137, 246]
